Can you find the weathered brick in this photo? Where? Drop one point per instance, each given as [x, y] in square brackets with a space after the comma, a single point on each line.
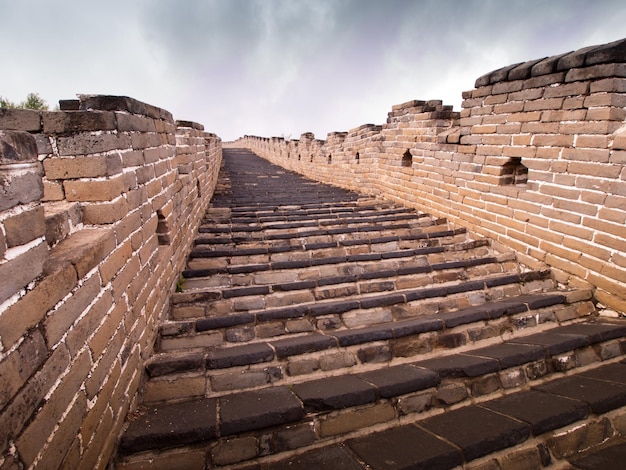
[234, 450]
[84, 328]
[589, 434]
[161, 390]
[98, 407]
[105, 212]
[20, 186]
[58, 322]
[18, 366]
[553, 140]
[52, 191]
[18, 272]
[543, 104]
[568, 89]
[524, 459]
[24, 227]
[34, 437]
[95, 190]
[344, 422]
[92, 166]
[99, 447]
[64, 435]
[25, 403]
[125, 276]
[131, 122]
[26, 120]
[107, 329]
[115, 261]
[85, 143]
[77, 121]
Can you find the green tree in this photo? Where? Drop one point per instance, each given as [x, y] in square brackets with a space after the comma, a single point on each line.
[34, 101]
[5, 103]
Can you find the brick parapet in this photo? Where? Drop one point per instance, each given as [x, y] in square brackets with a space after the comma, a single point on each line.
[81, 311]
[534, 160]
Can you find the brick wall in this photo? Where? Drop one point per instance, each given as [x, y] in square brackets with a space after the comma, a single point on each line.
[98, 208]
[535, 160]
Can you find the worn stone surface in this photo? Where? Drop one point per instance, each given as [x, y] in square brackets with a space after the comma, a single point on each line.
[542, 411]
[510, 354]
[600, 395]
[400, 380]
[610, 457]
[257, 409]
[170, 425]
[495, 431]
[239, 355]
[405, 447]
[460, 365]
[327, 457]
[335, 393]
[302, 344]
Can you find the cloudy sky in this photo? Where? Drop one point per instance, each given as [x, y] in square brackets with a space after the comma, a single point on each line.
[284, 67]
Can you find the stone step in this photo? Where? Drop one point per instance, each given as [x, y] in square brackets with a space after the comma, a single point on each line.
[282, 214]
[331, 282]
[351, 241]
[341, 204]
[221, 367]
[428, 230]
[330, 266]
[531, 395]
[324, 220]
[255, 258]
[287, 231]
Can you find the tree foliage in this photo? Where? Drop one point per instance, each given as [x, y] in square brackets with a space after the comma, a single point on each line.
[32, 101]
[6, 103]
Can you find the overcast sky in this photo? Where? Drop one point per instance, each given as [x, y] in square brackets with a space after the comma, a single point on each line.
[284, 67]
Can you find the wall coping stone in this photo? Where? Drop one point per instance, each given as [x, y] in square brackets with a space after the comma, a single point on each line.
[192, 124]
[614, 52]
[123, 103]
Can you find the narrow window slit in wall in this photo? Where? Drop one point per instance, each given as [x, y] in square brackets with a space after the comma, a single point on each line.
[357, 156]
[407, 159]
[311, 158]
[299, 157]
[514, 173]
[162, 231]
[330, 159]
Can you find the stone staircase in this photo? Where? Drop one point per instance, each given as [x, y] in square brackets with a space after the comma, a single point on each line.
[317, 328]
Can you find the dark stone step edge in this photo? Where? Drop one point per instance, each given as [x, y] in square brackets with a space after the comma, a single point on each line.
[282, 348]
[310, 233]
[342, 392]
[324, 217]
[429, 236]
[353, 278]
[237, 225]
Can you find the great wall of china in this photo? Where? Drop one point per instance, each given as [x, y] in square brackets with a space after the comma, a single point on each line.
[101, 203]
